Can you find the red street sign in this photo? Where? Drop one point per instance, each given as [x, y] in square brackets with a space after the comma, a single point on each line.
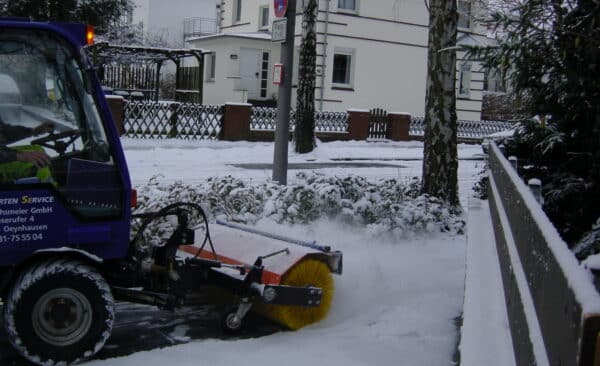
[280, 7]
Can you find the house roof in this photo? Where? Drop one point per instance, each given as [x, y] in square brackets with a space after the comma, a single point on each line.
[260, 36]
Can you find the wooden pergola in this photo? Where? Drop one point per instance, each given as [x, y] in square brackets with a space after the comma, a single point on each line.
[104, 53]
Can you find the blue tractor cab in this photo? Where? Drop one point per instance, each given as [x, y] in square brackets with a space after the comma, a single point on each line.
[65, 192]
[82, 198]
[69, 244]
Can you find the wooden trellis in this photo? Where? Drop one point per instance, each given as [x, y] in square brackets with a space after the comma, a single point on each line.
[118, 61]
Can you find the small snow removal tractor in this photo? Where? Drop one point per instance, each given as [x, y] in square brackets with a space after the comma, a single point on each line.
[69, 243]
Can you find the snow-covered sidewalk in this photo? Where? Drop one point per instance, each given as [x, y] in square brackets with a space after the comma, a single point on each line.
[396, 302]
[485, 334]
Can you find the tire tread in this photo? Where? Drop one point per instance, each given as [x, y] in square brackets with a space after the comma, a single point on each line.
[49, 268]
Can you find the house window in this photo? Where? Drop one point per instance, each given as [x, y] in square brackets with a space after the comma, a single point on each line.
[263, 17]
[494, 81]
[349, 5]
[211, 64]
[264, 75]
[342, 68]
[464, 81]
[464, 14]
[237, 10]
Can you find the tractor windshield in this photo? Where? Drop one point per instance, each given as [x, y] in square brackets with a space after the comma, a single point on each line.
[50, 128]
[41, 82]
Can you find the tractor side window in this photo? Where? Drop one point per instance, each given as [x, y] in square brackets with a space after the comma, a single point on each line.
[51, 131]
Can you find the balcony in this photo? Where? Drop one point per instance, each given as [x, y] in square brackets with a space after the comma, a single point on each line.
[197, 27]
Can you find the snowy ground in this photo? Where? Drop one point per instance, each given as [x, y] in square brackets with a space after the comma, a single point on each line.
[195, 161]
[396, 302]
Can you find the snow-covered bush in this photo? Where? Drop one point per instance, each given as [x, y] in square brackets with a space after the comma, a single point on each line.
[234, 198]
[480, 186]
[554, 69]
[386, 206]
[571, 196]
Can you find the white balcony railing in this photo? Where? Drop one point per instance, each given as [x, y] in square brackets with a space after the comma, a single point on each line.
[197, 27]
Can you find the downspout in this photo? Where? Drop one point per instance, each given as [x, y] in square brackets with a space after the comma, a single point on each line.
[220, 16]
[325, 31]
[200, 59]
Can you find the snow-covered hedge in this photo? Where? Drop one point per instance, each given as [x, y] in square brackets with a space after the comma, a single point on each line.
[386, 206]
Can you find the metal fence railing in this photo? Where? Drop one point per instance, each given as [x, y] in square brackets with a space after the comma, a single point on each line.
[265, 118]
[147, 119]
[188, 121]
[465, 129]
[331, 121]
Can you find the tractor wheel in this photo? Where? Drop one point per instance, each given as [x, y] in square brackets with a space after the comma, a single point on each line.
[229, 324]
[59, 311]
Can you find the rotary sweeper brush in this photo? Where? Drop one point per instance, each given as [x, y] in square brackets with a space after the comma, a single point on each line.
[185, 260]
[286, 262]
[70, 244]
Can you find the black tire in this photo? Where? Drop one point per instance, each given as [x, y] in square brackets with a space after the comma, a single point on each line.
[228, 325]
[59, 311]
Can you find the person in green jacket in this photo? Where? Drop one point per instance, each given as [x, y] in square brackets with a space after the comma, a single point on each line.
[22, 161]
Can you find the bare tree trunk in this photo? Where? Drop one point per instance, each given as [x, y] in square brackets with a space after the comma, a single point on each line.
[304, 134]
[440, 161]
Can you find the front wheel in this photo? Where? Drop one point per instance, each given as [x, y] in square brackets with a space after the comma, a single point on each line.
[59, 311]
[230, 324]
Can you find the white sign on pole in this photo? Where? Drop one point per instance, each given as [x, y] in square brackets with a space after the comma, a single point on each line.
[279, 30]
[277, 74]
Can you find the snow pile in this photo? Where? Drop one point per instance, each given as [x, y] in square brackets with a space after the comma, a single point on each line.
[383, 206]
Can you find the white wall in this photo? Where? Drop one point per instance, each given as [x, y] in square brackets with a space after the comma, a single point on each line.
[249, 15]
[224, 87]
[166, 17]
[141, 11]
[384, 76]
[389, 41]
[389, 55]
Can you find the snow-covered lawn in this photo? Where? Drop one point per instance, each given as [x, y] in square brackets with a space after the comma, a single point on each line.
[396, 302]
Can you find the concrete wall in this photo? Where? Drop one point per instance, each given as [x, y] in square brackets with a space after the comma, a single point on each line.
[552, 304]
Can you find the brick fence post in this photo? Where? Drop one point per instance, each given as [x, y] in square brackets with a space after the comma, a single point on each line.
[399, 126]
[358, 124]
[236, 122]
[116, 105]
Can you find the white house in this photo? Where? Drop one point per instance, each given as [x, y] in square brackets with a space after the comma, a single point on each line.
[370, 54]
[169, 19]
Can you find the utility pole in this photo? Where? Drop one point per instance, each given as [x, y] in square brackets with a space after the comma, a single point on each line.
[282, 131]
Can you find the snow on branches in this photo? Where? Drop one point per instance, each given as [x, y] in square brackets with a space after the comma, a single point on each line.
[384, 207]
